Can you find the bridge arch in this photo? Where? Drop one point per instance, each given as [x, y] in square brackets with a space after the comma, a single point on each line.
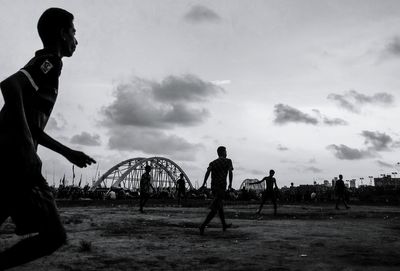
[127, 174]
[246, 184]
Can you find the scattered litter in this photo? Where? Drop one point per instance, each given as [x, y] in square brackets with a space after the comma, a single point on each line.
[303, 255]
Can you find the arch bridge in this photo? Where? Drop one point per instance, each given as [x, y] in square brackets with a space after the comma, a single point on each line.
[127, 174]
[246, 184]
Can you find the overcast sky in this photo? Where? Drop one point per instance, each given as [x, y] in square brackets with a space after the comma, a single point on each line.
[308, 88]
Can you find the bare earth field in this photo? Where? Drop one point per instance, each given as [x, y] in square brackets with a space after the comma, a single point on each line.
[301, 237]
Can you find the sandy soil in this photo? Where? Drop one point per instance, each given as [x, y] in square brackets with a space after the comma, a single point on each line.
[308, 237]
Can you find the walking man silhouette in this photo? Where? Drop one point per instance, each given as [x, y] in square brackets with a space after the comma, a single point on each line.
[219, 169]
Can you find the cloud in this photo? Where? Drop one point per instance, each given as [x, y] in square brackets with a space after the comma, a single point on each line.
[312, 161]
[393, 47]
[313, 169]
[334, 121]
[344, 152]
[252, 172]
[153, 142]
[200, 14]
[173, 102]
[285, 114]
[281, 148]
[352, 100]
[384, 164]
[221, 82]
[377, 141]
[186, 88]
[57, 123]
[86, 139]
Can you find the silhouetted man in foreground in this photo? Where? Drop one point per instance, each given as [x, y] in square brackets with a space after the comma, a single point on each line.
[29, 97]
[340, 191]
[145, 185]
[219, 169]
[181, 189]
[269, 193]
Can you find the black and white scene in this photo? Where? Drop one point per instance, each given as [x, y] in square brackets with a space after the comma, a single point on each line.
[199, 135]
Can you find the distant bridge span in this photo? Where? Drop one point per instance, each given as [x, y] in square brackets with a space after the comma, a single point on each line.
[127, 174]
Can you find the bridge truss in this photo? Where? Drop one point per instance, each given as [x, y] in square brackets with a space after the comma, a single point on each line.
[127, 174]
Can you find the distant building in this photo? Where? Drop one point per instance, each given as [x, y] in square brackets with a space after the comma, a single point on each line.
[387, 181]
[353, 183]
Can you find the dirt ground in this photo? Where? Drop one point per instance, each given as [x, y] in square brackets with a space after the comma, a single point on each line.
[308, 237]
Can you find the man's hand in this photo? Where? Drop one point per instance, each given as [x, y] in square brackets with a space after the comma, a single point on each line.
[79, 158]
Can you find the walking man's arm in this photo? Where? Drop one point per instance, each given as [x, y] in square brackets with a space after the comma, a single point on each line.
[230, 173]
[76, 157]
[206, 177]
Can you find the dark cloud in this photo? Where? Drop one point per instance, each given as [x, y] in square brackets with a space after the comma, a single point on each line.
[281, 148]
[286, 114]
[344, 152]
[377, 141]
[186, 88]
[384, 164]
[393, 47]
[352, 100]
[199, 14]
[173, 102]
[152, 142]
[343, 102]
[329, 121]
[86, 139]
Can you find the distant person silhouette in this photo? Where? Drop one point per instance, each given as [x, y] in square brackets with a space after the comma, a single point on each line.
[29, 97]
[292, 193]
[269, 192]
[340, 191]
[181, 189]
[219, 169]
[145, 185]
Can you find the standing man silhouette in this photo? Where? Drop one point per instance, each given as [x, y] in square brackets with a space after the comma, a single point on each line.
[340, 190]
[29, 97]
[219, 169]
[181, 189]
[269, 192]
[145, 185]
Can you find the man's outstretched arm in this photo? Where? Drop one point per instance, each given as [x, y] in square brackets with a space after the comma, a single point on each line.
[258, 181]
[76, 157]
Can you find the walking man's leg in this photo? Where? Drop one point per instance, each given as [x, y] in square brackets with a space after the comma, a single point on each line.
[50, 237]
